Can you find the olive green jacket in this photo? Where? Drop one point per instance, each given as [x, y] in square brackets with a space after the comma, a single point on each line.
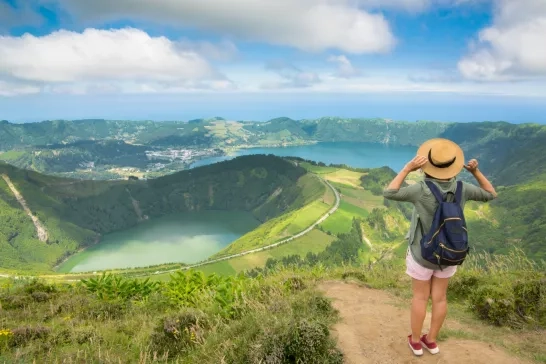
[425, 205]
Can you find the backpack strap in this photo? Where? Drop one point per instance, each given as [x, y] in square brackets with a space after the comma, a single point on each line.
[459, 192]
[435, 191]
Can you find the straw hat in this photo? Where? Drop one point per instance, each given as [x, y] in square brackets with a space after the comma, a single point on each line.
[445, 158]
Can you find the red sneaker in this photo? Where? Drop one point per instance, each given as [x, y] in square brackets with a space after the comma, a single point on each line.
[415, 347]
[430, 346]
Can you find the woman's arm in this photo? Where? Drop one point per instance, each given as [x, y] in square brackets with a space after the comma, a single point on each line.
[486, 191]
[399, 179]
[410, 193]
[413, 165]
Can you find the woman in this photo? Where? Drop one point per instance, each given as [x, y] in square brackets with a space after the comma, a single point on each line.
[441, 160]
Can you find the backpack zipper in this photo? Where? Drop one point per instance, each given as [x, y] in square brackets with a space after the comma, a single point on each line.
[452, 250]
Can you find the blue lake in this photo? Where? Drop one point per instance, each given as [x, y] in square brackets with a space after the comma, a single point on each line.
[363, 155]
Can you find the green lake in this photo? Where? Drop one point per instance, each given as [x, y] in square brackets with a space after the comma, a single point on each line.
[181, 238]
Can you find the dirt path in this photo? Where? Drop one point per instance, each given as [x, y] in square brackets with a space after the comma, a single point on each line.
[40, 229]
[373, 330]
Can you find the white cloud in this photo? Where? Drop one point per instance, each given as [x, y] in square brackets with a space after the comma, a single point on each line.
[310, 25]
[223, 51]
[103, 59]
[345, 67]
[513, 48]
[14, 88]
[292, 76]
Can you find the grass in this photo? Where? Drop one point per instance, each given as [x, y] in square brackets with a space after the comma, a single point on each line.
[278, 228]
[341, 220]
[346, 177]
[318, 169]
[71, 323]
[11, 155]
[359, 197]
[187, 319]
[315, 241]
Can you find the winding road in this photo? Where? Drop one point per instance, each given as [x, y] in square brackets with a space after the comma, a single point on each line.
[284, 241]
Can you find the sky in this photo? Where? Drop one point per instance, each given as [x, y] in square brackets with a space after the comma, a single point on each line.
[450, 60]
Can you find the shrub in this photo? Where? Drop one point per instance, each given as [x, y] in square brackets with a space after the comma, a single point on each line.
[177, 334]
[15, 301]
[464, 283]
[294, 284]
[494, 304]
[322, 305]
[113, 287]
[302, 341]
[36, 285]
[354, 274]
[22, 335]
[40, 296]
[530, 298]
[101, 310]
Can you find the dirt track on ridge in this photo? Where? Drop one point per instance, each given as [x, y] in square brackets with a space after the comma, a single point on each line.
[373, 330]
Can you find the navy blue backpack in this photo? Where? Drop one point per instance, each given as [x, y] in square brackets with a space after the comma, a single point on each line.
[446, 243]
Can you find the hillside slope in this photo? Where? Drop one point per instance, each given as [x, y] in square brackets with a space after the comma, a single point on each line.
[508, 153]
[76, 213]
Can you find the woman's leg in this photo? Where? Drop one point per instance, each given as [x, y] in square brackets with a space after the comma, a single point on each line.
[421, 293]
[439, 306]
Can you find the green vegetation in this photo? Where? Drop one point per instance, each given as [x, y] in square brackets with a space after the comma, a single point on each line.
[112, 149]
[340, 221]
[315, 242]
[76, 213]
[276, 229]
[186, 319]
[508, 153]
[273, 310]
[515, 218]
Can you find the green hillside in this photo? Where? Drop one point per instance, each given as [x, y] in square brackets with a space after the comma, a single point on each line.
[281, 309]
[509, 153]
[76, 213]
[109, 149]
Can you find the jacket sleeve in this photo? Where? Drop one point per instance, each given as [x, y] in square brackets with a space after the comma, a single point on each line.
[476, 193]
[411, 193]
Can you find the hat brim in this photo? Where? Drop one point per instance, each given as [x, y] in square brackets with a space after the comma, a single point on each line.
[442, 173]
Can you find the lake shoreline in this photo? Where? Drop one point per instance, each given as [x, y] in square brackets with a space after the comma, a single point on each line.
[180, 238]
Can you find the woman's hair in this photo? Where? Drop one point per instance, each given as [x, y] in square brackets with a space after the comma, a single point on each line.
[429, 176]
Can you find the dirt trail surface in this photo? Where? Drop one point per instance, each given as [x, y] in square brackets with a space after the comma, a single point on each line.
[373, 330]
[40, 229]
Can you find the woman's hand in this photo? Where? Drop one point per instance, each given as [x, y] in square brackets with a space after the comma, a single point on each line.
[416, 163]
[472, 166]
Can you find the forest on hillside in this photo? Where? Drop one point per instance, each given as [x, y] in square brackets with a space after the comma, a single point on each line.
[76, 213]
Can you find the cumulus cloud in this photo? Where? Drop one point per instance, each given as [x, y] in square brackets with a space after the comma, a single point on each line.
[513, 47]
[97, 59]
[293, 77]
[310, 25]
[345, 67]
